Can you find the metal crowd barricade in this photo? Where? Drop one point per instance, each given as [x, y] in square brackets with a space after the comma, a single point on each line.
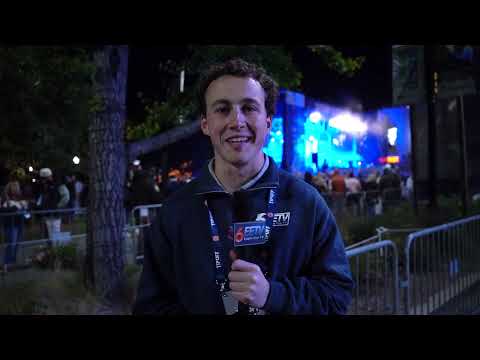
[443, 269]
[26, 250]
[42, 224]
[376, 289]
[365, 203]
[363, 242]
[141, 217]
[144, 214]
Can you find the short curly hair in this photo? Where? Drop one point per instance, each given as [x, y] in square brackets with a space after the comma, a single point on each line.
[239, 68]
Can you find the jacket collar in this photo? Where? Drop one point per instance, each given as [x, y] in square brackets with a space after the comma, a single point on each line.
[207, 184]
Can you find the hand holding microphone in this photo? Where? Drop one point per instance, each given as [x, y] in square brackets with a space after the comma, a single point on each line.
[248, 284]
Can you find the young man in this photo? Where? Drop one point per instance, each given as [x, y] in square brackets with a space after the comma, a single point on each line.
[244, 235]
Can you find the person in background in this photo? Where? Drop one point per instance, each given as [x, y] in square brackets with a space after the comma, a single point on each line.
[78, 187]
[354, 188]
[47, 201]
[12, 202]
[338, 192]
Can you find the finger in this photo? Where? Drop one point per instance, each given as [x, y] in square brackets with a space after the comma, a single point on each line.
[240, 276]
[240, 296]
[242, 265]
[239, 287]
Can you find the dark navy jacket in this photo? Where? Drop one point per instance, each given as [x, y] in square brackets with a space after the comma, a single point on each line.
[306, 264]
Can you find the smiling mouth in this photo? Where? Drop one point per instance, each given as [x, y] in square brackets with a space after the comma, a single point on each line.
[239, 139]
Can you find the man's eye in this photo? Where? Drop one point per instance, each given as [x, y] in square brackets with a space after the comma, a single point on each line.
[249, 108]
[221, 110]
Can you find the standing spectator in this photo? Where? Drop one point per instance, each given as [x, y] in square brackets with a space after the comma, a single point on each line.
[12, 202]
[372, 198]
[409, 187]
[48, 200]
[64, 201]
[173, 183]
[354, 188]
[78, 190]
[390, 188]
[308, 178]
[338, 191]
[321, 182]
[338, 182]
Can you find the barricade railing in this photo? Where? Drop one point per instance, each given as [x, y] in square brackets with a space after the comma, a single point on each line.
[376, 290]
[144, 214]
[443, 268]
[364, 203]
[25, 251]
[28, 225]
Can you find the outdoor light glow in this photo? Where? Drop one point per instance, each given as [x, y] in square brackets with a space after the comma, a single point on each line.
[393, 159]
[315, 117]
[136, 162]
[30, 168]
[76, 160]
[348, 123]
[392, 135]
[34, 180]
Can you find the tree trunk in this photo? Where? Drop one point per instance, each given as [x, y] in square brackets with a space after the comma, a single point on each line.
[107, 168]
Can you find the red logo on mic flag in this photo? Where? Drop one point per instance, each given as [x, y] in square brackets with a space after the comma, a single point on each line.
[239, 235]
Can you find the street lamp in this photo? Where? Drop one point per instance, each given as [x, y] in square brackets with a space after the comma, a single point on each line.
[76, 160]
[30, 169]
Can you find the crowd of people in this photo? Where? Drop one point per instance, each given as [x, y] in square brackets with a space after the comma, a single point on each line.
[373, 189]
[149, 186]
[43, 191]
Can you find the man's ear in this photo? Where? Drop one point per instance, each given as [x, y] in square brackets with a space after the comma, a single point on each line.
[204, 126]
[269, 122]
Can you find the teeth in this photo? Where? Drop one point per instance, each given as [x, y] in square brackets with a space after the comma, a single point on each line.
[237, 139]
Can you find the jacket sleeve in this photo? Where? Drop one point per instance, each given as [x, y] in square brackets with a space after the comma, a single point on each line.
[64, 196]
[156, 292]
[326, 287]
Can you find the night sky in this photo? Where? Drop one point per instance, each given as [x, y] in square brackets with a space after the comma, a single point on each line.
[372, 85]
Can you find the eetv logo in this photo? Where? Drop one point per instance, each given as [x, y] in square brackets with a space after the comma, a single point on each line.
[279, 219]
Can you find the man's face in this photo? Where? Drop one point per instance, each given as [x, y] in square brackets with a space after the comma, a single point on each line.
[236, 119]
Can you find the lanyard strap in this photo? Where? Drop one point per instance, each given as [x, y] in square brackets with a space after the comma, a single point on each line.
[220, 273]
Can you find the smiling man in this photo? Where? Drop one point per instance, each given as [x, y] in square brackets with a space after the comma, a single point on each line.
[245, 237]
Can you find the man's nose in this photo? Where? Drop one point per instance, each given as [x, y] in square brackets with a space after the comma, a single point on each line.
[237, 118]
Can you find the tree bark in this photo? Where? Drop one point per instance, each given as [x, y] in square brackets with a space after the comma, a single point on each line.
[107, 168]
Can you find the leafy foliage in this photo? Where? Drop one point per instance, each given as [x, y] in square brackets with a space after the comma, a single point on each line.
[335, 60]
[44, 104]
[275, 59]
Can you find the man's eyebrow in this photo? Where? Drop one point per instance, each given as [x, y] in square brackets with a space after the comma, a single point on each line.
[250, 100]
[227, 102]
[220, 102]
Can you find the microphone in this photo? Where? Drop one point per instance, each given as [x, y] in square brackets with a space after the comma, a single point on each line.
[240, 214]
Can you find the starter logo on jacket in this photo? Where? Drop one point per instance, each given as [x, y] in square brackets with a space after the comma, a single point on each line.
[279, 219]
[249, 233]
